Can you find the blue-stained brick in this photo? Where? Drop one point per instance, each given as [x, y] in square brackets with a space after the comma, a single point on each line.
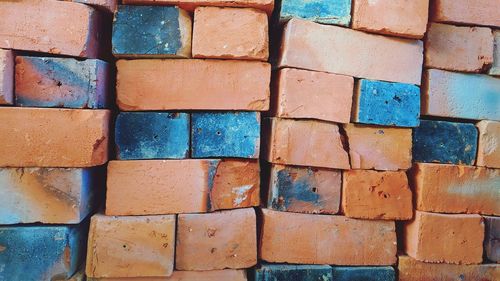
[225, 134]
[336, 12]
[385, 273]
[492, 238]
[152, 135]
[284, 272]
[445, 142]
[386, 103]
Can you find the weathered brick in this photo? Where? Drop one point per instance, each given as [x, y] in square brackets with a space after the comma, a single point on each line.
[152, 135]
[439, 238]
[386, 103]
[445, 142]
[326, 12]
[108, 5]
[379, 148]
[443, 188]
[190, 5]
[245, 34]
[471, 12]
[42, 137]
[226, 84]
[488, 147]
[212, 275]
[313, 46]
[314, 239]
[304, 189]
[139, 246]
[225, 239]
[492, 238]
[61, 82]
[6, 77]
[495, 69]
[385, 273]
[280, 272]
[144, 31]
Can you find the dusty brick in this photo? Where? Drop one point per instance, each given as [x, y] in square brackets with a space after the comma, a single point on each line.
[212, 275]
[439, 238]
[190, 5]
[6, 77]
[227, 85]
[300, 272]
[225, 239]
[472, 12]
[313, 239]
[326, 12]
[488, 147]
[313, 46]
[108, 5]
[492, 238]
[495, 69]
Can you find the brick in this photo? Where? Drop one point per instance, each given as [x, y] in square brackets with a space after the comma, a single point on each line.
[190, 5]
[245, 34]
[6, 77]
[385, 273]
[445, 142]
[313, 46]
[376, 195]
[212, 275]
[42, 26]
[152, 135]
[227, 85]
[385, 103]
[458, 48]
[321, 147]
[180, 186]
[412, 270]
[401, 18]
[443, 188]
[495, 69]
[447, 94]
[53, 137]
[107, 5]
[304, 189]
[159, 32]
[379, 148]
[444, 238]
[320, 11]
[488, 148]
[314, 95]
[61, 82]
[40, 252]
[470, 12]
[313, 239]
[225, 134]
[225, 239]
[492, 238]
[131, 246]
[292, 272]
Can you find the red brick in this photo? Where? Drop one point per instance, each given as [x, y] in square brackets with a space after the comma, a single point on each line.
[6, 77]
[213, 275]
[109, 5]
[488, 149]
[190, 5]
[472, 12]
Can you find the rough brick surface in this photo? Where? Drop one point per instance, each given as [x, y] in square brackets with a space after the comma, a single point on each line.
[469, 12]
[495, 68]
[108, 5]
[212, 275]
[292, 272]
[6, 77]
[488, 147]
[190, 5]
[385, 273]
[492, 238]
[326, 12]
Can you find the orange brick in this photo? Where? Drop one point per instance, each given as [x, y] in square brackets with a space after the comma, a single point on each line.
[376, 195]
[213, 275]
[322, 239]
[36, 137]
[226, 85]
[244, 34]
[109, 5]
[458, 48]
[226, 239]
[379, 148]
[305, 143]
[6, 77]
[131, 246]
[488, 149]
[438, 238]
[473, 12]
[42, 26]
[456, 189]
[190, 5]
[315, 95]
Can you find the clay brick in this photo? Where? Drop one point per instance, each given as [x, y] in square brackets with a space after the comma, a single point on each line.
[225, 239]
[131, 246]
[385, 273]
[41, 252]
[413, 270]
[376, 195]
[439, 238]
[244, 36]
[400, 17]
[313, 239]
[488, 147]
[152, 135]
[304, 189]
[42, 26]
[334, 49]
[492, 238]
[320, 11]
[61, 82]
[213, 275]
[471, 12]
[227, 85]
[315, 95]
[159, 32]
[292, 272]
[108, 5]
[445, 142]
[495, 69]
[43, 137]
[6, 77]
[379, 148]
[445, 188]
[305, 143]
[447, 94]
[225, 134]
[190, 5]
[458, 48]
[385, 103]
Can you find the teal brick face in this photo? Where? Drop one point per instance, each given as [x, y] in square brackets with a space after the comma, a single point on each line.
[336, 12]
